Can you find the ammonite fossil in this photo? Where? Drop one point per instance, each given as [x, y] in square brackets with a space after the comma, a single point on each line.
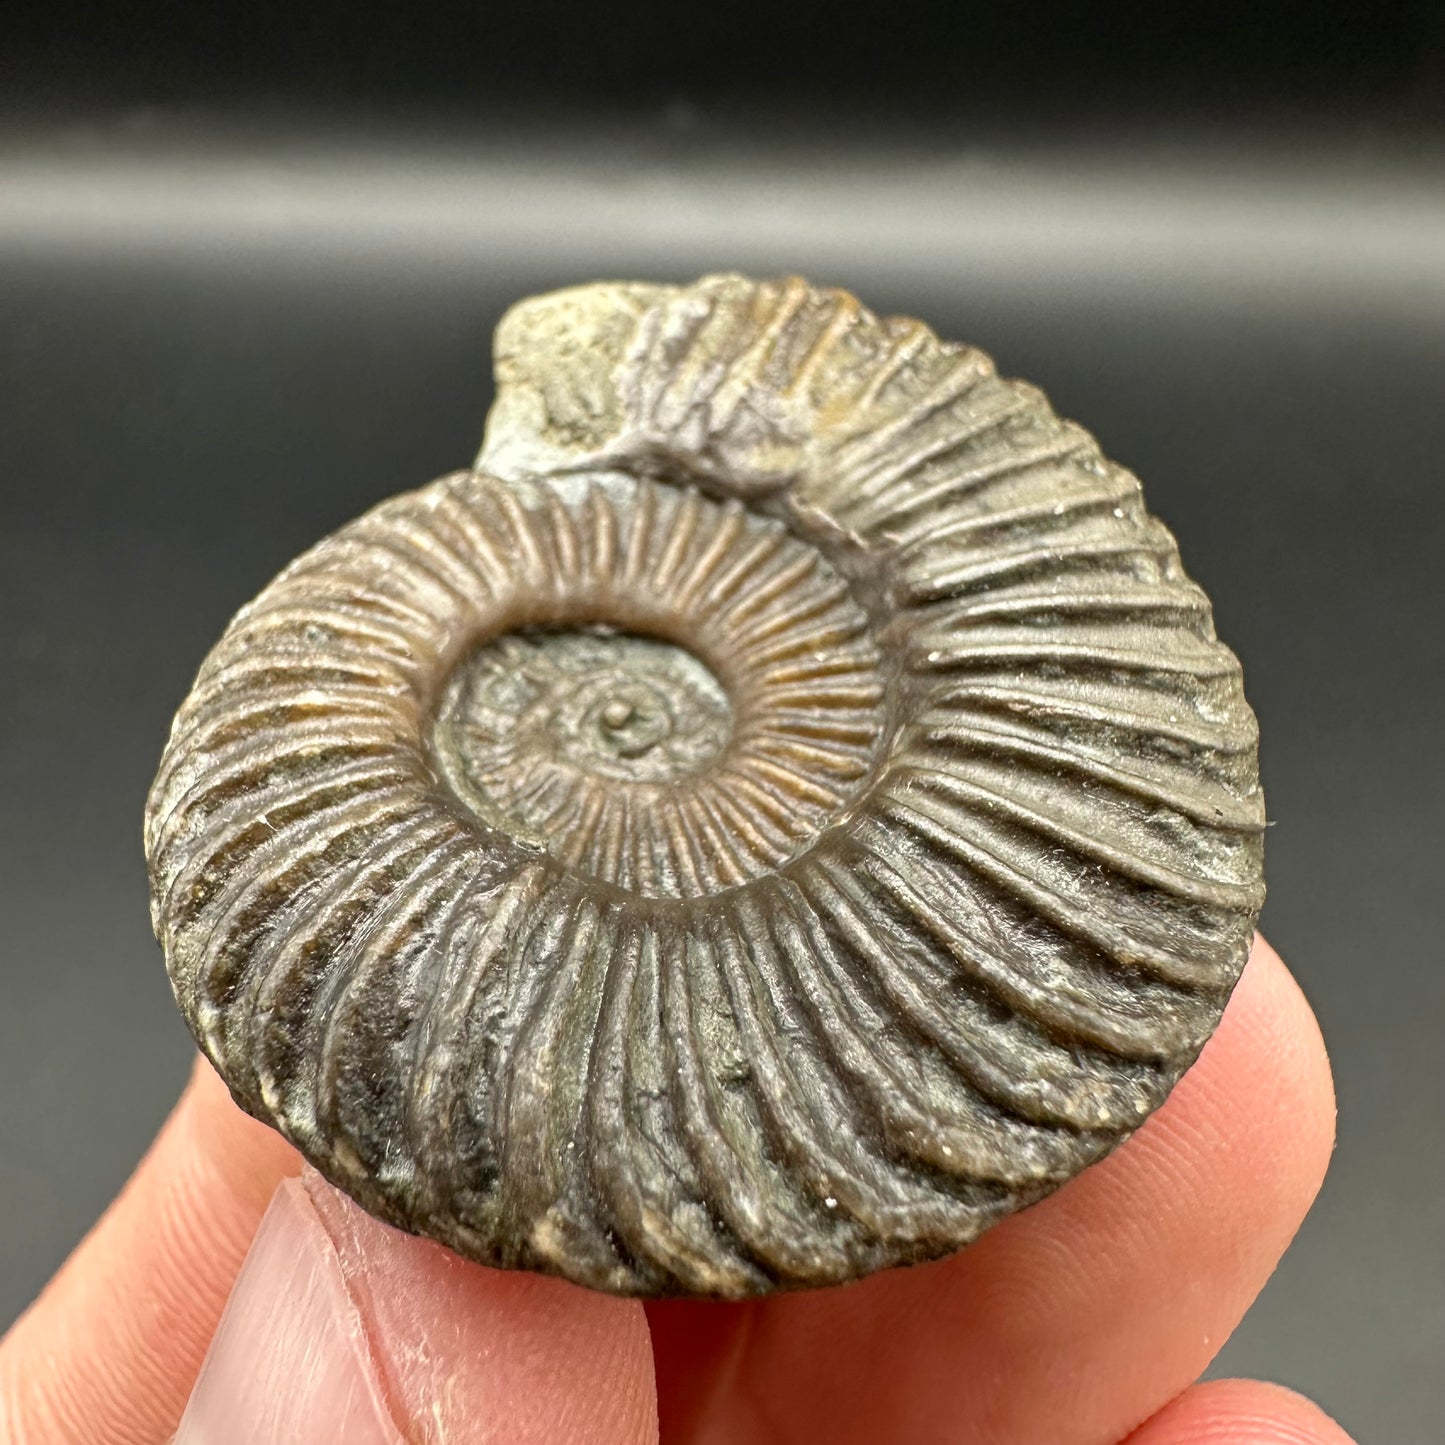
[783, 810]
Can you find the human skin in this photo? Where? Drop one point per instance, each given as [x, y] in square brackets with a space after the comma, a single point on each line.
[1083, 1320]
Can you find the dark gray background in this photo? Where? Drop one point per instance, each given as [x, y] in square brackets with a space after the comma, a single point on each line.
[227, 325]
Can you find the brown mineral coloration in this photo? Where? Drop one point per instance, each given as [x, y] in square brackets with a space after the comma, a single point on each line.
[782, 811]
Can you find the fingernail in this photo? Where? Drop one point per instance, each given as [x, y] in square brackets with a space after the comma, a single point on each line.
[290, 1363]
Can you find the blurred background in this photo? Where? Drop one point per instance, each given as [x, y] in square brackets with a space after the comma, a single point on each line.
[250, 258]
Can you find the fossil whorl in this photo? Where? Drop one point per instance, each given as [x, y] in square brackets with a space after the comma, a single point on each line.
[783, 810]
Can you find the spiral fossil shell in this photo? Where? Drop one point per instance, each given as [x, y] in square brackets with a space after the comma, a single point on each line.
[783, 810]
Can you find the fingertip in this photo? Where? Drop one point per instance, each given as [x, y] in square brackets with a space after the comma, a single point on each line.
[1240, 1412]
[1214, 1185]
[1256, 1113]
[1281, 1035]
[343, 1328]
[1276, 1004]
[465, 1353]
[331, 1313]
[289, 1362]
[1108, 1298]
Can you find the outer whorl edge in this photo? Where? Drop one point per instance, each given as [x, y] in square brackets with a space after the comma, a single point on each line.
[783, 810]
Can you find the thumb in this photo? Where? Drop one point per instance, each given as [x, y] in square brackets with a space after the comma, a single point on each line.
[341, 1328]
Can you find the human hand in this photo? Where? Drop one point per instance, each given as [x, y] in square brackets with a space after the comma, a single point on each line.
[1080, 1321]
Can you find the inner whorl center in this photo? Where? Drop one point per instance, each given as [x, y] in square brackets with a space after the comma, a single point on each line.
[531, 715]
[694, 698]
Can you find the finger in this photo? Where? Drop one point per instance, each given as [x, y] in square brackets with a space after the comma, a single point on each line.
[109, 1350]
[341, 1328]
[1071, 1322]
[112, 1348]
[1239, 1412]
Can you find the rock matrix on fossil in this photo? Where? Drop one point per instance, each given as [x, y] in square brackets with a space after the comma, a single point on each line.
[783, 810]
